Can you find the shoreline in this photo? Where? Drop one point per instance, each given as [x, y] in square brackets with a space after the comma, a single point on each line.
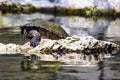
[17, 8]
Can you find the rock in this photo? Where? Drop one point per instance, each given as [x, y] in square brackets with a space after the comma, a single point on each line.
[9, 48]
[35, 50]
[69, 50]
[76, 43]
[12, 48]
[24, 48]
[74, 50]
[2, 48]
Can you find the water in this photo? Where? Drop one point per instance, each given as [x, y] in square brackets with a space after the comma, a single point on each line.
[100, 28]
[10, 70]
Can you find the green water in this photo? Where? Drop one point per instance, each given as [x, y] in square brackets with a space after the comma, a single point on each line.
[11, 35]
[10, 70]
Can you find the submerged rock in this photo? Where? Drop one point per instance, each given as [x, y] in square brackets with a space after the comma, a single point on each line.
[87, 45]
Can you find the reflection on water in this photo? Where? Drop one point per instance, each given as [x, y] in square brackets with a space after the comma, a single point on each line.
[11, 35]
[78, 73]
[99, 28]
[107, 70]
[10, 70]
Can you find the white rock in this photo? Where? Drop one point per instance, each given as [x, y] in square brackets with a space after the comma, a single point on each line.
[2, 48]
[35, 50]
[12, 48]
[48, 43]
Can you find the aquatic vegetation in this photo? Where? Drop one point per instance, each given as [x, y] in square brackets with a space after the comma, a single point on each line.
[86, 12]
[9, 7]
[17, 8]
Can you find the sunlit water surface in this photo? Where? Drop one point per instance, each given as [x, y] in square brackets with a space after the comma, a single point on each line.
[102, 29]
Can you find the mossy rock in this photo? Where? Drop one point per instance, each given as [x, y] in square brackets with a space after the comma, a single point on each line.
[50, 29]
